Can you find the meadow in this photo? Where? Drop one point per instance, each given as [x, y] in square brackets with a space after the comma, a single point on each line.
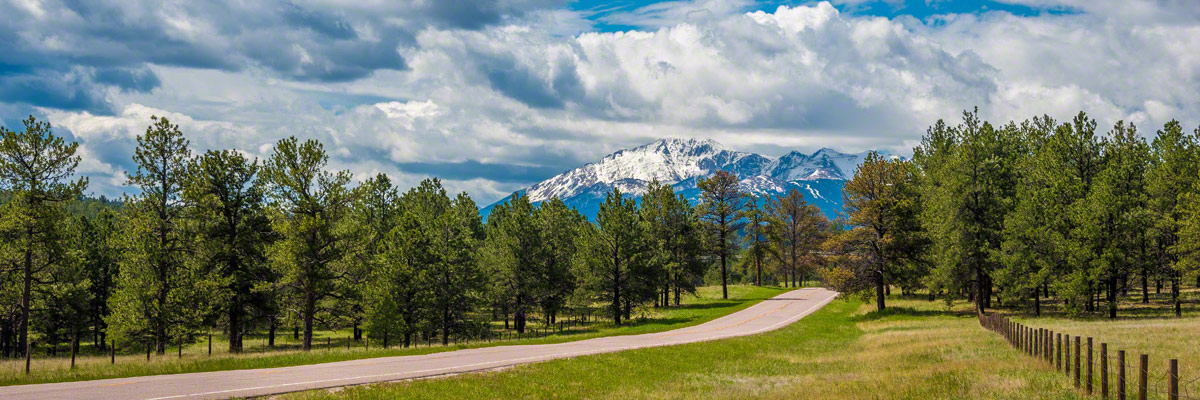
[330, 346]
[916, 349]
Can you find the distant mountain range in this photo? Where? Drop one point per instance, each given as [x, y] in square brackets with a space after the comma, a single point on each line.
[682, 162]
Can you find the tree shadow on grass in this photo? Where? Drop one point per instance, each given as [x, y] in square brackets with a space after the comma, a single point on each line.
[705, 306]
[909, 312]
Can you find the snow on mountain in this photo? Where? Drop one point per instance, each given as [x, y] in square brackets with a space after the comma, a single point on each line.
[682, 162]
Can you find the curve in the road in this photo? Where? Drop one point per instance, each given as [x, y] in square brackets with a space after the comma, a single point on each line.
[765, 316]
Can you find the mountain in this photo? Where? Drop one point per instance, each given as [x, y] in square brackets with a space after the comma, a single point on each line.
[682, 162]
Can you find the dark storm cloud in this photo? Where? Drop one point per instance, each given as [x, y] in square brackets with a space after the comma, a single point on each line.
[476, 14]
[130, 79]
[535, 88]
[70, 90]
[64, 54]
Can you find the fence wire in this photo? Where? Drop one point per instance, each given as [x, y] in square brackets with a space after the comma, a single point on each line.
[1044, 345]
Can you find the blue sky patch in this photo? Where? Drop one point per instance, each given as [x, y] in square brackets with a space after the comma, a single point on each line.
[602, 12]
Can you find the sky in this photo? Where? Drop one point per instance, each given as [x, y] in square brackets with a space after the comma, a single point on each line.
[494, 95]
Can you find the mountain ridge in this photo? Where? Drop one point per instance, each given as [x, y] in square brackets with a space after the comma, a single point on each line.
[681, 162]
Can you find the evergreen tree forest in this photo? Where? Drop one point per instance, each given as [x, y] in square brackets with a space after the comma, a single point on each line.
[1011, 215]
[217, 242]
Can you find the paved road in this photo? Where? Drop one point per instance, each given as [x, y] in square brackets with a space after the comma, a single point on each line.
[765, 316]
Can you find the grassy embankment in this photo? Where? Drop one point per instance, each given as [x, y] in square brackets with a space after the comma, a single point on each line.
[706, 306]
[915, 350]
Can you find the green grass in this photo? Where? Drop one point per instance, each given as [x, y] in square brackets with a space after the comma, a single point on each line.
[1139, 328]
[914, 350]
[705, 306]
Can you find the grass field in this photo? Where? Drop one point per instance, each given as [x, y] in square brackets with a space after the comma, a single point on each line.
[915, 350]
[705, 306]
[1150, 329]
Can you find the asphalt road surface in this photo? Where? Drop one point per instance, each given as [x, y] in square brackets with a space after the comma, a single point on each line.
[764, 316]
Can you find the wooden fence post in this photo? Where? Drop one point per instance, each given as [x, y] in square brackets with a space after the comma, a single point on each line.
[1037, 342]
[1077, 362]
[112, 352]
[1058, 352]
[1089, 365]
[1121, 374]
[1173, 379]
[29, 355]
[74, 348]
[1050, 346]
[1104, 370]
[1067, 355]
[1142, 375]
[210, 344]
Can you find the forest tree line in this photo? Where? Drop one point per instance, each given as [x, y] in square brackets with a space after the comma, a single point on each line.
[221, 242]
[1010, 215]
[1002, 215]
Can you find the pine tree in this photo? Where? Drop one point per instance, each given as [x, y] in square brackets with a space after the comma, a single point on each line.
[37, 168]
[99, 240]
[797, 228]
[676, 245]
[311, 207]
[969, 180]
[397, 286]
[559, 226]
[721, 201]
[233, 231]
[755, 237]
[516, 250]
[1079, 155]
[454, 232]
[1029, 250]
[1171, 186]
[884, 208]
[615, 255]
[1116, 213]
[374, 215]
[161, 295]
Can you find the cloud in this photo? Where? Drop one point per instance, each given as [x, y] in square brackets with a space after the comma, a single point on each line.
[496, 95]
[46, 43]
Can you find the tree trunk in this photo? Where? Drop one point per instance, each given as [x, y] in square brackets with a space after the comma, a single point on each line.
[1145, 285]
[879, 291]
[310, 306]
[724, 285]
[1175, 295]
[235, 322]
[1037, 303]
[446, 325]
[1112, 297]
[270, 333]
[979, 295]
[26, 294]
[519, 321]
[616, 299]
[758, 272]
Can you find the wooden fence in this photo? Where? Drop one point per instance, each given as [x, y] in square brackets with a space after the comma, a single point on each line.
[1055, 348]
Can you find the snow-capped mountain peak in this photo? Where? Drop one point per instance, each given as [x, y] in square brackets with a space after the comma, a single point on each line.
[681, 162]
[667, 160]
